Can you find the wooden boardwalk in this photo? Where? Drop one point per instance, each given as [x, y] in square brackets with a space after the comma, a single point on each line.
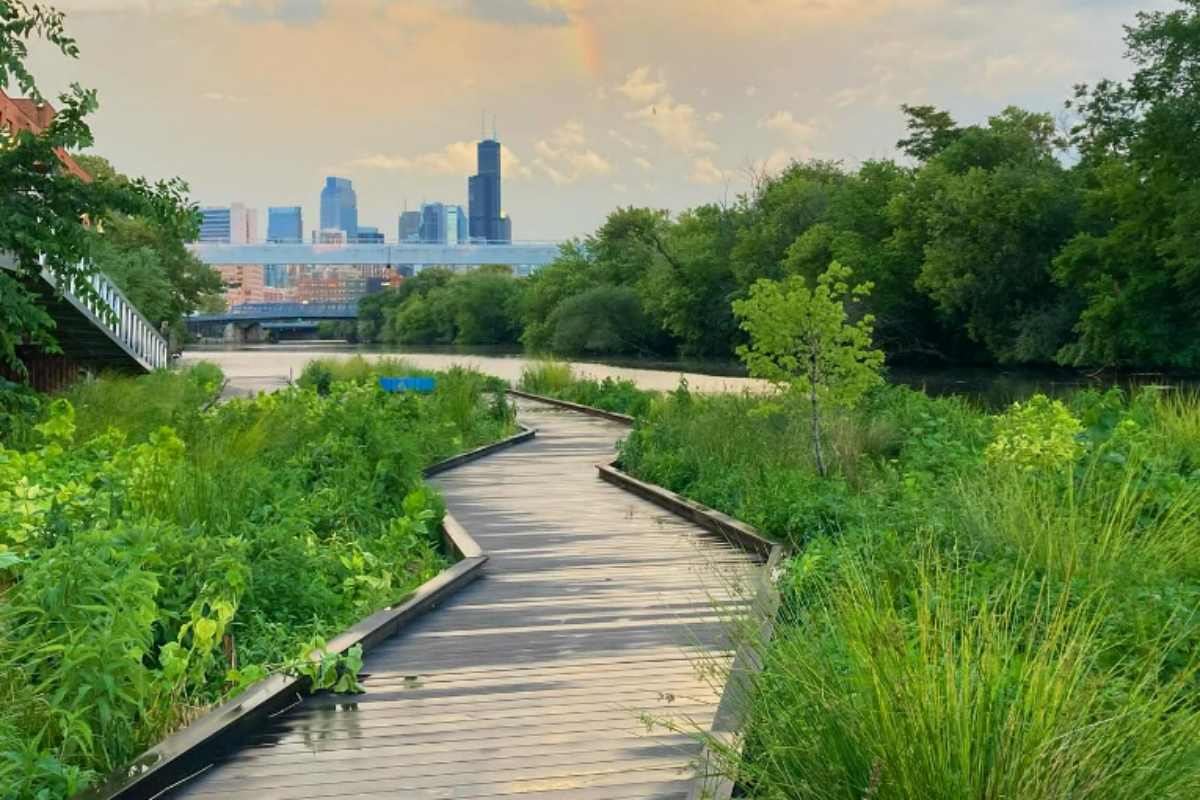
[595, 609]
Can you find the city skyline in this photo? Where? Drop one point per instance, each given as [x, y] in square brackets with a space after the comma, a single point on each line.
[596, 106]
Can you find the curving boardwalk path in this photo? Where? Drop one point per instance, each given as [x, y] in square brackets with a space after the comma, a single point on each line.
[595, 609]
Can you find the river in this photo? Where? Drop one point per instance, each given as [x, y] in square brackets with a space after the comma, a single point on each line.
[255, 368]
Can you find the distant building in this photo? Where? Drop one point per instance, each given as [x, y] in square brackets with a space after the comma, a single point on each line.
[243, 283]
[214, 225]
[483, 194]
[339, 207]
[433, 223]
[330, 236]
[285, 224]
[234, 224]
[456, 225]
[410, 227]
[506, 229]
[367, 235]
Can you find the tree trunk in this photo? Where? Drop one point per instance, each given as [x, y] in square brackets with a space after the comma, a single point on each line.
[816, 420]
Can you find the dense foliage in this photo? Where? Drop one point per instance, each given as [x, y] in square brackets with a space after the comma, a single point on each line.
[159, 552]
[1005, 242]
[979, 605]
[50, 219]
[556, 379]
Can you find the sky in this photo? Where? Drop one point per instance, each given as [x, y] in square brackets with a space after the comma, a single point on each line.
[598, 103]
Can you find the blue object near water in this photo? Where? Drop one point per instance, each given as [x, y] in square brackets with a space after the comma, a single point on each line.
[408, 384]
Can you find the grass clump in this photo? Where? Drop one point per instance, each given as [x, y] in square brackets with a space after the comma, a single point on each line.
[980, 605]
[151, 569]
[558, 380]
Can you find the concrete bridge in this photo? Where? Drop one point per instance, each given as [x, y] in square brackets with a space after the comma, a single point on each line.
[516, 254]
[255, 322]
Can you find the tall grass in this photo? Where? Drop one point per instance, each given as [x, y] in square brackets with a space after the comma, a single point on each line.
[557, 379]
[962, 622]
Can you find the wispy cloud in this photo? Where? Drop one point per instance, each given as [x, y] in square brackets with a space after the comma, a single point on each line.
[221, 97]
[704, 171]
[456, 158]
[565, 156]
[517, 12]
[785, 123]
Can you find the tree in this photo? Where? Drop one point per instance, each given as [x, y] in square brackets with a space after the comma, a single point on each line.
[1136, 260]
[603, 319]
[690, 285]
[987, 216]
[803, 340]
[930, 131]
[49, 219]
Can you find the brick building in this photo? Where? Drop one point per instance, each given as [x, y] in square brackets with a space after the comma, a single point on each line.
[23, 114]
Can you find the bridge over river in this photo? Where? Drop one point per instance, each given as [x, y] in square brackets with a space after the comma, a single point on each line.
[594, 610]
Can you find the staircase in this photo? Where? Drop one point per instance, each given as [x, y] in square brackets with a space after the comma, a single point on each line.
[92, 339]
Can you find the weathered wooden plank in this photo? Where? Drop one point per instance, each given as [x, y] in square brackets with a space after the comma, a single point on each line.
[597, 609]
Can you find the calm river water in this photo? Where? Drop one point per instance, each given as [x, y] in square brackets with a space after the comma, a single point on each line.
[255, 368]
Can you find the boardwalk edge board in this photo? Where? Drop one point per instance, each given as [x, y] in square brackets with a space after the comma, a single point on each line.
[582, 409]
[735, 531]
[710, 783]
[189, 751]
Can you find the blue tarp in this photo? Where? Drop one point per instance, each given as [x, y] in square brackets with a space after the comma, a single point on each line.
[408, 384]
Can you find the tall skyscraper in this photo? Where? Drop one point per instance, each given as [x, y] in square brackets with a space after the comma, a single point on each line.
[285, 224]
[410, 226]
[483, 194]
[339, 207]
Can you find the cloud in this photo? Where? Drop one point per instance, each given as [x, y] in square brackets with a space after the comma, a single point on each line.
[289, 12]
[620, 187]
[639, 87]
[706, 172]
[516, 12]
[220, 97]
[714, 116]
[643, 163]
[674, 122]
[785, 123]
[456, 158]
[565, 157]
[625, 140]
[752, 91]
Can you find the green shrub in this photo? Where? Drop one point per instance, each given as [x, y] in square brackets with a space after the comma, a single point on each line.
[147, 573]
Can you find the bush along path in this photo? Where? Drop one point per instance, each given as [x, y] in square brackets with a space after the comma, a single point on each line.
[158, 555]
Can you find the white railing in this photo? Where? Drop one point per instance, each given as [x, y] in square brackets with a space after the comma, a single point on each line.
[123, 323]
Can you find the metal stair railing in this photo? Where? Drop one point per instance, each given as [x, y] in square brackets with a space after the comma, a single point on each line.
[125, 325]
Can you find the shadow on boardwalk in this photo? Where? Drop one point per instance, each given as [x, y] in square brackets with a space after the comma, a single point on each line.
[532, 681]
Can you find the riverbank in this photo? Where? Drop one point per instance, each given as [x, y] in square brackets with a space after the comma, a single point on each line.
[269, 368]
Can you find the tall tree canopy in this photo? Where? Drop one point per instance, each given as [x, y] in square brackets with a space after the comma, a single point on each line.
[49, 219]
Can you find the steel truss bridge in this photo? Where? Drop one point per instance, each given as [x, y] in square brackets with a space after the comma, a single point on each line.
[516, 254]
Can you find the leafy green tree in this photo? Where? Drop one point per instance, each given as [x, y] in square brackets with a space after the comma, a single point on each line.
[988, 214]
[783, 208]
[486, 303]
[155, 270]
[49, 219]
[690, 285]
[1137, 260]
[930, 131]
[803, 340]
[603, 319]
[572, 272]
